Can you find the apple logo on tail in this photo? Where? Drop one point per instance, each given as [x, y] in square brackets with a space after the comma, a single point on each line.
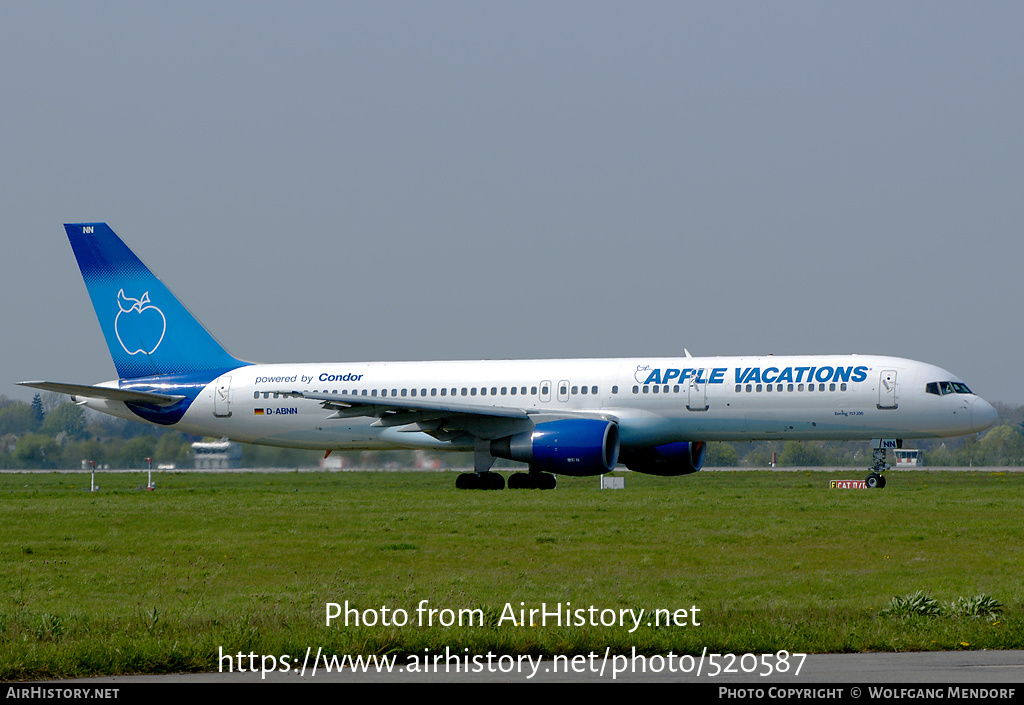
[140, 322]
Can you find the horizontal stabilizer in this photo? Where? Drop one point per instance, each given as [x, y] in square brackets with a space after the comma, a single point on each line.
[111, 393]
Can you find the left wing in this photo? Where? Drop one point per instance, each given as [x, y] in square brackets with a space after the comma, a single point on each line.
[441, 419]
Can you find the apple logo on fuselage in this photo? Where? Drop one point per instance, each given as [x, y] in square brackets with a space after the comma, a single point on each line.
[642, 373]
[141, 323]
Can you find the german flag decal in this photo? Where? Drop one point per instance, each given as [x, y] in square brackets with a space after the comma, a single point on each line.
[258, 412]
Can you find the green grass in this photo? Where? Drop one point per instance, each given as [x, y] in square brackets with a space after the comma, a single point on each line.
[125, 580]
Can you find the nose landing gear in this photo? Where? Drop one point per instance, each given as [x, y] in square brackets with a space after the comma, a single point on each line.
[876, 480]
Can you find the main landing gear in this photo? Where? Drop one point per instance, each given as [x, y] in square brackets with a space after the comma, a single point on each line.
[516, 481]
[483, 479]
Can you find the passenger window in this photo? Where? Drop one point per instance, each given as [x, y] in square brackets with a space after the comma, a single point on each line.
[575, 389]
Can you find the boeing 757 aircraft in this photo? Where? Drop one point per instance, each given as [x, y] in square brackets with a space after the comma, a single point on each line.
[573, 417]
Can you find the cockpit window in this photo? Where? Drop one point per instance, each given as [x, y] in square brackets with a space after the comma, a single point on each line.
[941, 388]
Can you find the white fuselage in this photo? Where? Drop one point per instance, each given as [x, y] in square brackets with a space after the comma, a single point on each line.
[653, 400]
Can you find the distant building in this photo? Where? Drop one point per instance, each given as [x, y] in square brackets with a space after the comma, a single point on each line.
[332, 462]
[908, 458]
[217, 455]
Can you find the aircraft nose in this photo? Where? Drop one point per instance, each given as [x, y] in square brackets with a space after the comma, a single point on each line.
[983, 415]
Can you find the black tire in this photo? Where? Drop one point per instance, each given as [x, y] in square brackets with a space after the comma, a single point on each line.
[519, 481]
[873, 481]
[467, 481]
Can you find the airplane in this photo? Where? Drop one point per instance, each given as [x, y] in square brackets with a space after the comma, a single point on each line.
[575, 417]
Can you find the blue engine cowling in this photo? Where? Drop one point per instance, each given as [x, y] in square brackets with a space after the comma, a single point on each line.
[578, 447]
[680, 458]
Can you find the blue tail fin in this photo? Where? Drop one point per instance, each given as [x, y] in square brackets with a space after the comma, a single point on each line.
[149, 332]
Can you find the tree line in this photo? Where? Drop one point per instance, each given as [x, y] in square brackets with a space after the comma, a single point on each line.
[52, 433]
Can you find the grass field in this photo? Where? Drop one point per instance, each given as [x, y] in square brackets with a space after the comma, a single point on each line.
[127, 581]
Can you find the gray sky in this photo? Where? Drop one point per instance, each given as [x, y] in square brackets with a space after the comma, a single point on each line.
[434, 180]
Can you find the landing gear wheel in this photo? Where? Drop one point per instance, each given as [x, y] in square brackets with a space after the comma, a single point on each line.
[480, 481]
[519, 481]
[875, 481]
[532, 481]
[546, 481]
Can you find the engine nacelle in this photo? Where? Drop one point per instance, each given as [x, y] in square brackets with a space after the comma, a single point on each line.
[682, 458]
[567, 446]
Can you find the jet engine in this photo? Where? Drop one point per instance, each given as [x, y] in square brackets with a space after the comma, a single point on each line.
[682, 458]
[577, 447]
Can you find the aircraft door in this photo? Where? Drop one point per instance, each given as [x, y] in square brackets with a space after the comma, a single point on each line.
[545, 391]
[887, 390]
[697, 391]
[563, 390]
[222, 398]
